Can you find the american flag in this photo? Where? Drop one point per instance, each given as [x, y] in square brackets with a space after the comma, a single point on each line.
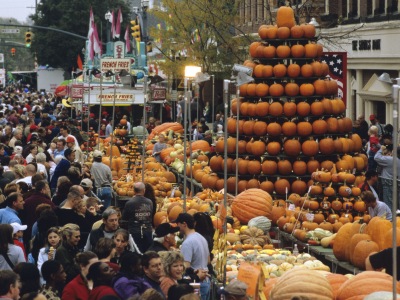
[337, 62]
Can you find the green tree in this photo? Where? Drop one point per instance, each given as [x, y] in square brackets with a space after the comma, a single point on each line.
[59, 50]
[199, 32]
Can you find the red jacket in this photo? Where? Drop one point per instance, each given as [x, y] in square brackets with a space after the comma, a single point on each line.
[76, 289]
[100, 291]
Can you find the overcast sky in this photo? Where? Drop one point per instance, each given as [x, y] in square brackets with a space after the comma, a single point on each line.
[17, 9]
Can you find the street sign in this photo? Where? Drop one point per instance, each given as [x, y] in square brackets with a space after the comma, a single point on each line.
[159, 93]
[115, 64]
[10, 30]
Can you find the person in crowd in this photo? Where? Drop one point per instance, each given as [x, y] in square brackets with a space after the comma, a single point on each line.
[60, 148]
[9, 285]
[41, 165]
[87, 185]
[152, 294]
[376, 208]
[137, 215]
[203, 225]
[78, 152]
[208, 137]
[382, 260]
[18, 233]
[54, 274]
[102, 275]
[109, 128]
[65, 132]
[110, 224]
[68, 249]
[14, 204]
[33, 151]
[121, 240]
[218, 121]
[178, 291]
[62, 167]
[79, 288]
[105, 251]
[160, 145]
[150, 194]
[235, 290]
[17, 136]
[30, 170]
[4, 179]
[49, 250]
[198, 133]
[220, 132]
[195, 252]
[165, 238]
[62, 190]
[153, 270]
[373, 147]
[11, 254]
[369, 184]
[385, 162]
[40, 195]
[65, 211]
[102, 178]
[29, 277]
[174, 269]
[128, 281]
[375, 122]
[178, 112]
[86, 174]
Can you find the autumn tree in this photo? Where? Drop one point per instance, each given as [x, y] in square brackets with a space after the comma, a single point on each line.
[60, 50]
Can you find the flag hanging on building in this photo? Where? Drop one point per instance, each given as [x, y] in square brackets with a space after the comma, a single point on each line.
[118, 24]
[94, 45]
[337, 62]
[112, 21]
[127, 40]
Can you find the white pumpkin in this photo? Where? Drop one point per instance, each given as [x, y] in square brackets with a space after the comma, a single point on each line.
[381, 296]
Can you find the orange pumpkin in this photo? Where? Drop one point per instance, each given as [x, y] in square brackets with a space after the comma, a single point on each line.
[252, 203]
[285, 17]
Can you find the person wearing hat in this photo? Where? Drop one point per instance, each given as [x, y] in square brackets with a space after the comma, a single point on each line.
[18, 234]
[87, 185]
[64, 133]
[165, 238]
[235, 290]
[195, 252]
[385, 163]
[375, 121]
[102, 176]
[62, 167]
[78, 152]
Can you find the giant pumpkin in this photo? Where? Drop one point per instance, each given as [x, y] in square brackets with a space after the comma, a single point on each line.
[252, 203]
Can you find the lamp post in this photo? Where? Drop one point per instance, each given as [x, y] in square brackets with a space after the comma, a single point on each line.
[190, 72]
[107, 16]
[144, 123]
[395, 95]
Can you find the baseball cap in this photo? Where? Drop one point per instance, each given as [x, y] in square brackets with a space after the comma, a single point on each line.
[185, 218]
[86, 183]
[33, 127]
[372, 117]
[165, 229]
[70, 139]
[92, 115]
[97, 153]
[235, 287]
[17, 227]
[68, 152]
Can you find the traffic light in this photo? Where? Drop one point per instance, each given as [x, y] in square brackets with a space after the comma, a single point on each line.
[12, 51]
[28, 39]
[136, 30]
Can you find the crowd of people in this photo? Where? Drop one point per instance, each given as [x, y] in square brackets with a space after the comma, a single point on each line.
[60, 235]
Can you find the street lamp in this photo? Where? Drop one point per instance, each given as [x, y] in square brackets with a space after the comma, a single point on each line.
[317, 27]
[190, 72]
[395, 95]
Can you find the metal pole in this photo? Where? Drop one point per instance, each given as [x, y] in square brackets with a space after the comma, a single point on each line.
[101, 102]
[144, 124]
[88, 112]
[237, 137]
[226, 86]
[190, 140]
[212, 99]
[185, 110]
[395, 94]
[113, 121]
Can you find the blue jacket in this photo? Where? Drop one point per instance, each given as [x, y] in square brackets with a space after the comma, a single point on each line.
[61, 170]
[8, 216]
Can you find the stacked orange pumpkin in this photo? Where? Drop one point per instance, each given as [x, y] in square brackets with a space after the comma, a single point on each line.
[291, 123]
